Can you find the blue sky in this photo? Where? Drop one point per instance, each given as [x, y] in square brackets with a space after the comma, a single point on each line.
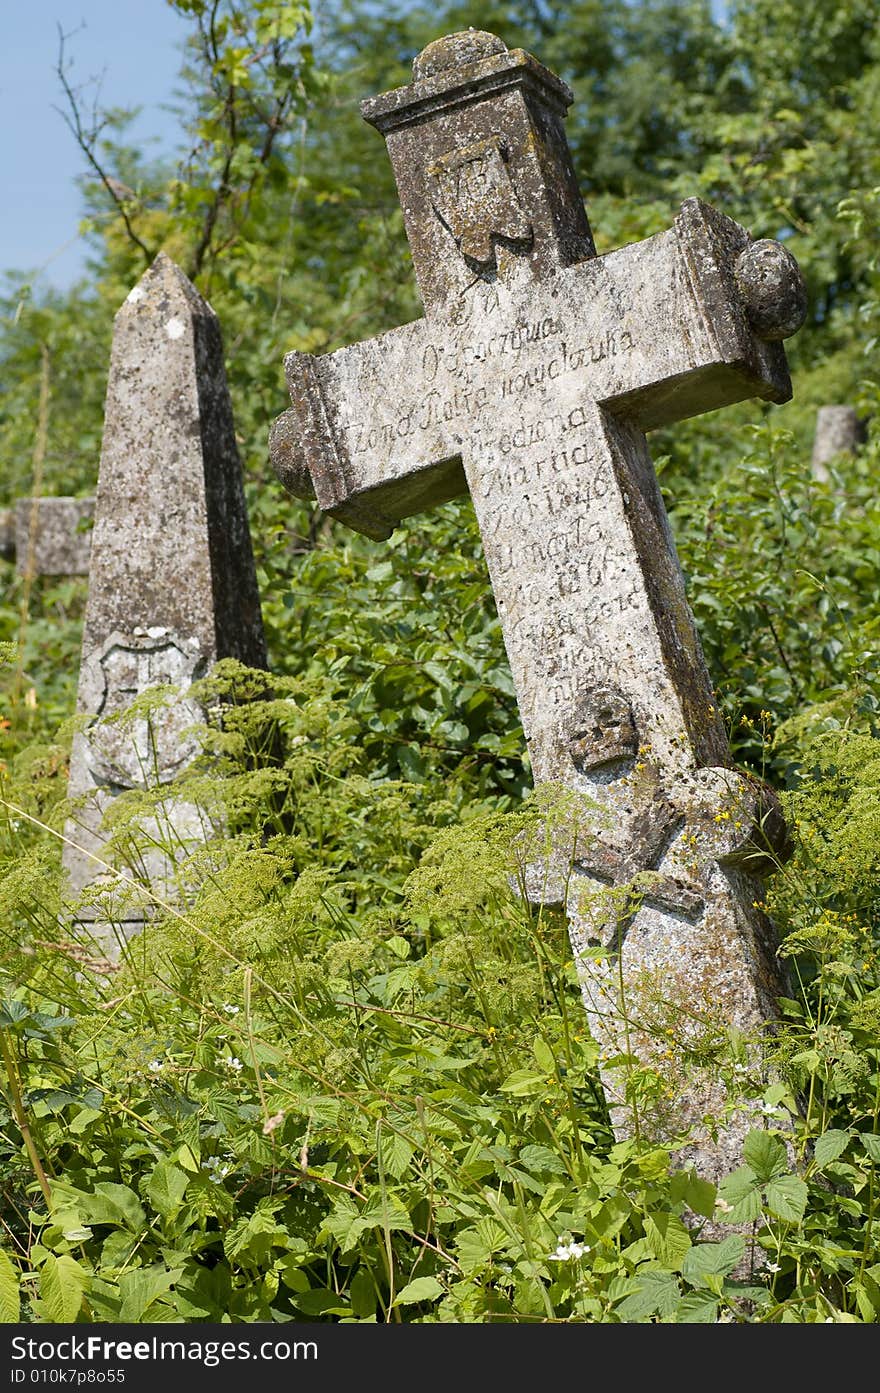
[136, 45]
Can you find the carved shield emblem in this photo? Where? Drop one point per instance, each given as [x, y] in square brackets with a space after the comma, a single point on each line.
[474, 196]
[153, 746]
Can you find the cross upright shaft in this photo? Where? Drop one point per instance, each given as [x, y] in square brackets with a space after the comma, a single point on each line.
[530, 382]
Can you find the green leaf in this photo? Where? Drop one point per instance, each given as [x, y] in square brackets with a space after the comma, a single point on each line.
[697, 1309]
[651, 1293]
[321, 1301]
[742, 1193]
[787, 1197]
[544, 1056]
[141, 1287]
[523, 1082]
[871, 1143]
[252, 1237]
[766, 1155]
[62, 1283]
[111, 1204]
[10, 1299]
[713, 1259]
[166, 1188]
[668, 1239]
[829, 1146]
[362, 1293]
[699, 1195]
[422, 1289]
[385, 1212]
[542, 1160]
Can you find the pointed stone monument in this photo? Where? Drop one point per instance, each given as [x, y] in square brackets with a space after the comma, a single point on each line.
[530, 382]
[172, 584]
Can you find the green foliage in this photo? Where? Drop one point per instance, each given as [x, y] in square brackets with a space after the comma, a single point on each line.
[344, 1075]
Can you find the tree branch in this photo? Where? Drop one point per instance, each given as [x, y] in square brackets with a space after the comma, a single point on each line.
[87, 140]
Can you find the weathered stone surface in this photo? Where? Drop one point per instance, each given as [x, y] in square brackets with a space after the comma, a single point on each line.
[53, 536]
[838, 432]
[172, 585]
[530, 382]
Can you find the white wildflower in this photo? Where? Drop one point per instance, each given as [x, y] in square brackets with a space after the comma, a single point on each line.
[565, 1251]
[231, 1010]
[155, 1066]
[232, 1063]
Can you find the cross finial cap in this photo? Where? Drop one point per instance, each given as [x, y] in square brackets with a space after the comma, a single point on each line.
[456, 51]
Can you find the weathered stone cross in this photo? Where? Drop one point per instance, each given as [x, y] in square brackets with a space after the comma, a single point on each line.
[530, 381]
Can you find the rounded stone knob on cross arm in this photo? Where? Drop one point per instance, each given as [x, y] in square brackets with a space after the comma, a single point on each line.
[459, 50]
[772, 288]
[288, 457]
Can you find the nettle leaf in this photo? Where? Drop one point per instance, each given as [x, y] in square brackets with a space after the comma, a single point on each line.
[668, 1239]
[713, 1259]
[787, 1197]
[829, 1146]
[141, 1287]
[344, 1223]
[10, 1298]
[397, 1153]
[871, 1142]
[652, 1293]
[166, 1188]
[742, 1192]
[252, 1237]
[62, 1283]
[766, 1155]
[697, 1309]
[385, 1212]
[541, 1160]
[421, 1289]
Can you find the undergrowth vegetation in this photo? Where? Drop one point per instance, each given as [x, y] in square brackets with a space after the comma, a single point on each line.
[344, 1072]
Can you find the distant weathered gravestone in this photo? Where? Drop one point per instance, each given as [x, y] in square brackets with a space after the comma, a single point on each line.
[53, 536]
[530, 382]
[172, 584]
[838, 432]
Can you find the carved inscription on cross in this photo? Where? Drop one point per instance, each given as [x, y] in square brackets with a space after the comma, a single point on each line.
[531, 381]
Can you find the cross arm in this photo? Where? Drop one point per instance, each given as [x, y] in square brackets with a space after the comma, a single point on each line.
[681, 323]
[370, 435]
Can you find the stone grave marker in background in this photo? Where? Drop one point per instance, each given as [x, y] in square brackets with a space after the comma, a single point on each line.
[531, 381]
[838, 432]
[50, 536]
[172, 584]
[53, 536]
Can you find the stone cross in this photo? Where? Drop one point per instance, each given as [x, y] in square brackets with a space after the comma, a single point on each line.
[530, 382]
[838, 432]
[48, 536]
[172, 584]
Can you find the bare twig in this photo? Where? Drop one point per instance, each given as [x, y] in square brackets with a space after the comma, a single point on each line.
[87, 140]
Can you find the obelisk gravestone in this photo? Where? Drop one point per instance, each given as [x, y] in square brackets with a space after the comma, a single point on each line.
[530, 382]
[172, 584]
